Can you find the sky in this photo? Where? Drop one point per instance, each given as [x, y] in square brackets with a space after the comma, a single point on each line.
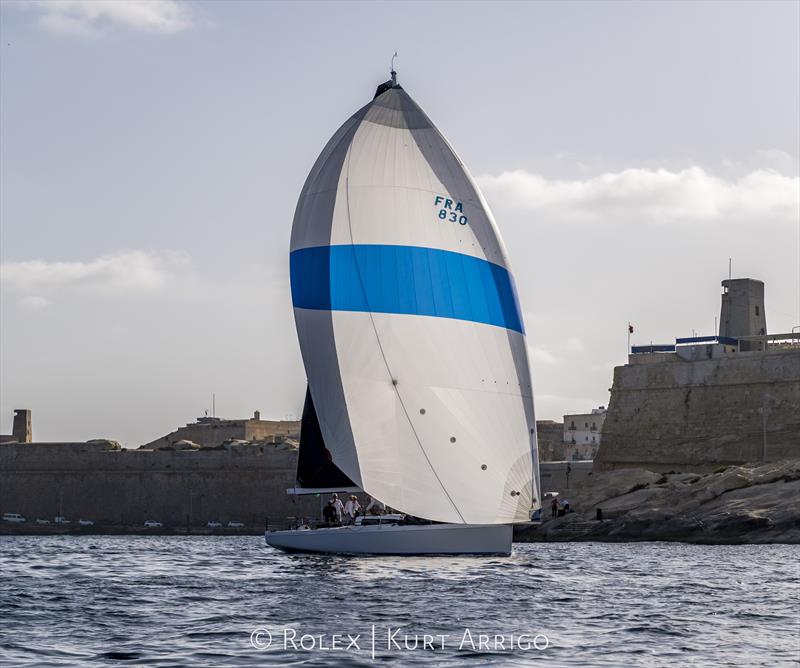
[151, 156]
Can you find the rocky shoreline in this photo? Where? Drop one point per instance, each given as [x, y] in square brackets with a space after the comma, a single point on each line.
[734, 505]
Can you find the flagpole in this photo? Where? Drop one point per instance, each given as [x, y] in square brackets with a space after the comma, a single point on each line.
[628, 352]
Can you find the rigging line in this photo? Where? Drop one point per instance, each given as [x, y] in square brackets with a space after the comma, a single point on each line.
[380, 345]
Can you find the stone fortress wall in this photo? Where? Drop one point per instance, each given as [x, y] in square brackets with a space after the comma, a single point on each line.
[181, 484]
[733, 398]
[667, 413]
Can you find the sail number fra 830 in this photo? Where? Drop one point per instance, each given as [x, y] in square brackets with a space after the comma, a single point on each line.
[450, 210]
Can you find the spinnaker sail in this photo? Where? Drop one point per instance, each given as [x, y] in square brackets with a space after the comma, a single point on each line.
[409, 323]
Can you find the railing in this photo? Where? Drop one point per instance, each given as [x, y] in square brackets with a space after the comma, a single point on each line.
[726, 340]
[653, 348]
[281, 523]
[684, 341]
[774, 341]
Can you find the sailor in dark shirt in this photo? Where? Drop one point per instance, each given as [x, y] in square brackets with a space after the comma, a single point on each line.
[329, 513]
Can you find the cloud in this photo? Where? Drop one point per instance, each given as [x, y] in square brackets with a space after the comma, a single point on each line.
[34, 302]
[574, 344]
[61, 24]
[37, 280]
[639, 195]
[541, 356]
[778, 160]
[93, 17]
[555, 406]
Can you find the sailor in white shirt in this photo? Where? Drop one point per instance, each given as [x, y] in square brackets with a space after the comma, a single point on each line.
[337, 504]
[352, 508]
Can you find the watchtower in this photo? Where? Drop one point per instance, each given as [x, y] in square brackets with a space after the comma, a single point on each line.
[22, 431]
[742, 311]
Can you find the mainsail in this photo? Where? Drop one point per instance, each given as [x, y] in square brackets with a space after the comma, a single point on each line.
[409, 323]
[315, 467]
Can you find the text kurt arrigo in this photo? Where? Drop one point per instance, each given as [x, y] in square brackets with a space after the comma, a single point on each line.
[392, 639]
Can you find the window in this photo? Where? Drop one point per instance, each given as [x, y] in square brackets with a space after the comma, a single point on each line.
[586, 425]
[756, 309]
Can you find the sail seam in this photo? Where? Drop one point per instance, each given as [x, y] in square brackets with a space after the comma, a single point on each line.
[380, 345]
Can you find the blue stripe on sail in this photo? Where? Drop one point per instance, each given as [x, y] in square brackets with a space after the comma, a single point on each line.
[404, 279]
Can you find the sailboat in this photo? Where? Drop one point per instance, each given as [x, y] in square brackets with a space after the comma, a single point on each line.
[419, 387]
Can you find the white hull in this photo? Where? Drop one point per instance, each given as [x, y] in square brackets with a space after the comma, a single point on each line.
[393, 539]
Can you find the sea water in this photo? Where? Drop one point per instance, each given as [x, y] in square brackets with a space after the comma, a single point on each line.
[219, 601]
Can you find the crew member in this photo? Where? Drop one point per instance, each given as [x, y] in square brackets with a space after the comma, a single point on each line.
[338, 506]
[329, 513]
[374, 507]
[352, 508]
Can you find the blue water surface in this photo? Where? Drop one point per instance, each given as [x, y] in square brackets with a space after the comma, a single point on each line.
[196, 601]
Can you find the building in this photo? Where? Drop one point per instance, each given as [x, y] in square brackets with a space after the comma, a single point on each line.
[22, 431]
[732, 398]
[212, 432]
[550, 441]
[582, 433]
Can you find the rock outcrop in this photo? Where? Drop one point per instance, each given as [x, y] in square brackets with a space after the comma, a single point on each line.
[735, 504]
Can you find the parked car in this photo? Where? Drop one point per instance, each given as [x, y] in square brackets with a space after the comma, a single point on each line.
[40, 520]
[61, 520]
[214, 525]
[16, 518]
[153, 524]
[233, 524]
[86, 523]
